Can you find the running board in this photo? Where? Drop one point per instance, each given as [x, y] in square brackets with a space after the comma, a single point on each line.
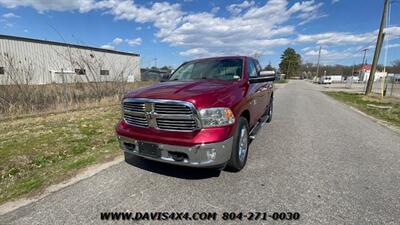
[256, 128]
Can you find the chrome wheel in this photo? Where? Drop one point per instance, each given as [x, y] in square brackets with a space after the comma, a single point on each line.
[243, 144]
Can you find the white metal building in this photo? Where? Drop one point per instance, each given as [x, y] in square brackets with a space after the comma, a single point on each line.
[32, 61]
[336, 78]
[364, 76]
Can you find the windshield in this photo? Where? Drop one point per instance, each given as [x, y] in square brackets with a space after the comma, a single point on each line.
[213, 69]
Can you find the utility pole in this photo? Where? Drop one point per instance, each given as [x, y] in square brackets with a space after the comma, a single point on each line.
[155, 62]
[365, 54]
[379, 42]
[364, 62]
[319, 57]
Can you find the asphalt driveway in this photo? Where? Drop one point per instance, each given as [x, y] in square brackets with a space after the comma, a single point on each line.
[317, 157]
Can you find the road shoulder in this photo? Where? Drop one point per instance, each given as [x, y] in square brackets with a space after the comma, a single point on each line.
[84, 174]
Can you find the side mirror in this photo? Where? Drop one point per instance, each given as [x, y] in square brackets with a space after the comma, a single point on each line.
[262, 79]
[263, 76]
[266, 73]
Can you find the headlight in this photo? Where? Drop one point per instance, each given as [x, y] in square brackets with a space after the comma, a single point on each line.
[216, 117]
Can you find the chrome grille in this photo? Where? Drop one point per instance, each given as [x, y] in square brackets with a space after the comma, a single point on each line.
[136, 120]
[163, 108]
[161, 114]
[134, 106]
[134, 114]
[174, 124]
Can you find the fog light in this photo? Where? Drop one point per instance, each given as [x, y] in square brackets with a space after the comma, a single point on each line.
[211, 154]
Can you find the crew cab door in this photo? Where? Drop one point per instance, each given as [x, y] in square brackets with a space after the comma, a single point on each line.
[265, 89]
[258, 92]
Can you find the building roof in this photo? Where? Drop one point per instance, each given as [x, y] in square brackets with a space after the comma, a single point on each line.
[65, 44]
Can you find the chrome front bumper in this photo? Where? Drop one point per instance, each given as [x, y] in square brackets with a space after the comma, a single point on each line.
[202, 155]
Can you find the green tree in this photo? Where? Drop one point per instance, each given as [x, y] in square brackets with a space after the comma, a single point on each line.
[396, 66]
[167, 68]
[269, 67]
[290, 63]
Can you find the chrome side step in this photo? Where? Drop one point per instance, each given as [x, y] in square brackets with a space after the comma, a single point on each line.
[256, 128]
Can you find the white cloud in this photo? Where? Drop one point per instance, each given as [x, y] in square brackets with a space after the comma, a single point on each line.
[347, 38]
[138, 28]
[10, 15]
[336, 38]
[392, 32]
[254, 28]
[258, 28]
[134, 41]
[238, 8]
[110, 47]
[195, 51]
[330, 56]
[117, 41]
[394, 45]
[56, 5]
[214, 10]
[334, 1]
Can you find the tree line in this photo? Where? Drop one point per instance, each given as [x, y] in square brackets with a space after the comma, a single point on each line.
[292, 65]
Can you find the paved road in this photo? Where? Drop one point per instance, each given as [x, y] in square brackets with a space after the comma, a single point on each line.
[317, 157]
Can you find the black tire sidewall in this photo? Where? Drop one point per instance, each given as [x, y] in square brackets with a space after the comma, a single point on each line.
[234, 163]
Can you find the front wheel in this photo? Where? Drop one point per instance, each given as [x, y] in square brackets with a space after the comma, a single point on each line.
[240, 146]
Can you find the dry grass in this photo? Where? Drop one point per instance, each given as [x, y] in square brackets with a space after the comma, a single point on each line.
[361, 102]
[19, 100]
[40, 150]
[36, 152]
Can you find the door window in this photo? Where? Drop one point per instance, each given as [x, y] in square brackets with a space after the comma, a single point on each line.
[251, 68]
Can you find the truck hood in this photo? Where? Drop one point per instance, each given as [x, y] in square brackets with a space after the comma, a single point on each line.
[202, 93]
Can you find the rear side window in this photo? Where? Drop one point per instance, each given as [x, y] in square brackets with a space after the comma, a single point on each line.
[251, 68]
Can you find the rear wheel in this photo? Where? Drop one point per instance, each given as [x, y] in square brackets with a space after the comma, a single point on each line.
[240, 146]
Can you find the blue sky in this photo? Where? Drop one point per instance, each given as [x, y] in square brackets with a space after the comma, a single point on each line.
[176, 31]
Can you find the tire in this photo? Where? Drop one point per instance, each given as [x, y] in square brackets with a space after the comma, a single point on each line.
[240, 146]
[270, 109]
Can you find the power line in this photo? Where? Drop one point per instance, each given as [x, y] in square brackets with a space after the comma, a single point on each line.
[365, 54]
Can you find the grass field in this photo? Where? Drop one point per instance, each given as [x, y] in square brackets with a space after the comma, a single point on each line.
[38, 151]
[363, 103]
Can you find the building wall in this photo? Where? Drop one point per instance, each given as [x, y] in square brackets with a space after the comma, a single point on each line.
[43, 63]
[364, 76]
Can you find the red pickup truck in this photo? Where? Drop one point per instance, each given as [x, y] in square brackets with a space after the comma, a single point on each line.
[204, 115]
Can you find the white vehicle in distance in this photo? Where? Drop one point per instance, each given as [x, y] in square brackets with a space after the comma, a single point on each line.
[325, 80]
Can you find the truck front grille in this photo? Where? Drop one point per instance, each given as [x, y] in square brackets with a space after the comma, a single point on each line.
[136, 120]
[161, 114]
[134, 114]
[163, 108]
[176, 124]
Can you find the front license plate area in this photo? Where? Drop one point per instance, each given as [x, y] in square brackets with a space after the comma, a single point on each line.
[150, 150]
